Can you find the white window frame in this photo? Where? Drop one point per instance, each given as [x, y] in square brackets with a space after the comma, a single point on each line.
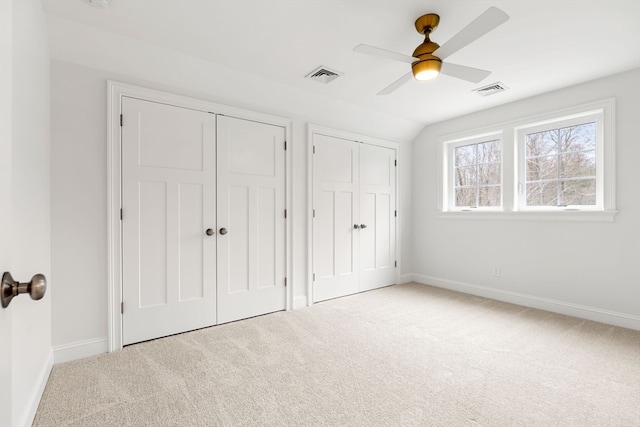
[512, 168]
[451, 179]
[596, 116]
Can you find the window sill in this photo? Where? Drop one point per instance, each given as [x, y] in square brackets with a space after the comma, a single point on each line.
[577, 216]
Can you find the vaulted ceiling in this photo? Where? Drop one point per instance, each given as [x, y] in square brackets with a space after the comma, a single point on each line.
[545, 45]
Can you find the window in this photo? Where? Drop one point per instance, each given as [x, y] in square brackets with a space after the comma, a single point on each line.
[560, 162]
[476, 169]
[560, 166]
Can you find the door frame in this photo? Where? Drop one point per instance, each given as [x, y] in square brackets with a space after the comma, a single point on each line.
[115, 92]
[314, 129]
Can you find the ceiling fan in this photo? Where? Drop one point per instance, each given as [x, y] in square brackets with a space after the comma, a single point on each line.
[425, 65]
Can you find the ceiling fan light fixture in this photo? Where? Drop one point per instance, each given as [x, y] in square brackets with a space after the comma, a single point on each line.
[426, 69]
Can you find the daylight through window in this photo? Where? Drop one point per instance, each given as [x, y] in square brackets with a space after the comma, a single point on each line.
[477, 174]
[553, 163]
[561, 166]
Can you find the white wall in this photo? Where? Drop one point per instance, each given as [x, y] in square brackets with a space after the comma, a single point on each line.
[586, 269]
[80, 71]
[26, 353]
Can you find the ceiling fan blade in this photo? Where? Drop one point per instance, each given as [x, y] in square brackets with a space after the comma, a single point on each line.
[470, 74]
[490, 19]
[383, 53]
[395, 85]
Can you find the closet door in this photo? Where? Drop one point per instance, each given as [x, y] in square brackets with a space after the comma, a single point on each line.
[251, 219]
[168, 200]
[354, 218]
[335, 203]
[377, 216]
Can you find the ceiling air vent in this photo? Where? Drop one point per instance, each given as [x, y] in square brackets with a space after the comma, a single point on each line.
[323, 75]
[491, 89]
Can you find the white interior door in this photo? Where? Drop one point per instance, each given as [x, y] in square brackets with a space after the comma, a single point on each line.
[251, 219]
[168, 200]
[26, 355]
[377, 216]
[335, 204]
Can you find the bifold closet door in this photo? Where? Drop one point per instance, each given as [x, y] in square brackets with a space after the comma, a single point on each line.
[335, 203]
[168, 200]
[251, 219]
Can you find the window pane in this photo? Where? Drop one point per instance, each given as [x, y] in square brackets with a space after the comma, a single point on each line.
[489, 196]
[466, 176]
[576, 165]
[578, 137]
[540, 144]
[489, 174]
[489, 152]
[540, 168]
[465, 155]
[554, 155]
[477, 167]
[579, 192]
[542, 193]
[466, 196]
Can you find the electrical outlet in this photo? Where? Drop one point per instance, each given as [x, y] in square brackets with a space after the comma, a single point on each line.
[496, 272]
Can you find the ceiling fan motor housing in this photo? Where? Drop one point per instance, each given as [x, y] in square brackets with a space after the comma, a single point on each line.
[428, 65]
[425, 25]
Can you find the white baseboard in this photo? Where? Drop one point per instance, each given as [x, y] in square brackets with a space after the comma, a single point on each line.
[555, 306]
[80, 349]
[32, 407]
[300, 302]
[406, 278]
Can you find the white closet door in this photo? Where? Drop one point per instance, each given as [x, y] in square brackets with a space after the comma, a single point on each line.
[335, 202]
[168, 191]
[377, 215]
[251, 205]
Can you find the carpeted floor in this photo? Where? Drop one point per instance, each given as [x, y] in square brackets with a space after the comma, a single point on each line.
[406, 355]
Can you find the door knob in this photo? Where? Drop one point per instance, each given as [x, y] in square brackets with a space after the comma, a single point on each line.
[363, 226]
[223, 231]
[356, 226]
[209, 232]
[10, 288]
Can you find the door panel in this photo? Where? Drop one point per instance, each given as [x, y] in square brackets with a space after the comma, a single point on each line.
[266, 240]
[251, 193]
[237, 243]
[335, 194]
[377, 212]
[367, 238]
[168, 192]
[152, 197]
[191, 256]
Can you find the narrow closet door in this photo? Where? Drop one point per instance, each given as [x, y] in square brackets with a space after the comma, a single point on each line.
[377, 215]
[335, 204]
[168, 200]
[251, 219]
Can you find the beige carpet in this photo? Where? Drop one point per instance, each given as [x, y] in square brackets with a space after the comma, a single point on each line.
[407, 355]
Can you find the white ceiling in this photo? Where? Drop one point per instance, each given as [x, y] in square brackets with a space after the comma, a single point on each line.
[544, 45]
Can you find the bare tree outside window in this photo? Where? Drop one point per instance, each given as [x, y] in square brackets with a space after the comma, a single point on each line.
[477, 174]
[561, 166]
